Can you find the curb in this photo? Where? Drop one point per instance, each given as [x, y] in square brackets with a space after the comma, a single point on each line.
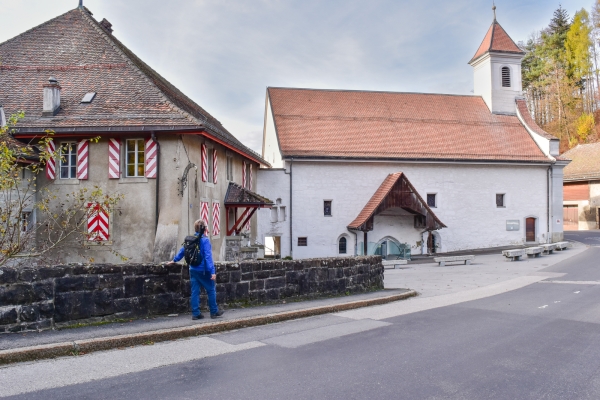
[77, 347]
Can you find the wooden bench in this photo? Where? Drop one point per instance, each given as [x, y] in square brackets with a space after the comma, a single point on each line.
[534, 251]
[561, 245]
[514, 255]
[548, 248]
[393, 264]
[443, 260]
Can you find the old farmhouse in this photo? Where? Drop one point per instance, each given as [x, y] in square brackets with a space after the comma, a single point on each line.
[582, 188]
[172, 160]
[362, 172]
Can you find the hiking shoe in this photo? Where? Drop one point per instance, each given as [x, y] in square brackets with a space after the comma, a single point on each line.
[197, 317]
[219, 314]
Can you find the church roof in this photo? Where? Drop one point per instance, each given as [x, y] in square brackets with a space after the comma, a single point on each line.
[84, 56]
[496, 40]
[585, 164]
[314, 123]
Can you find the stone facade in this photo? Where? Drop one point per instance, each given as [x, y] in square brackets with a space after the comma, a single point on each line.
[46, 297]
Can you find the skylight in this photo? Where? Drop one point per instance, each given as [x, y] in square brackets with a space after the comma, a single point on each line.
[88, 97]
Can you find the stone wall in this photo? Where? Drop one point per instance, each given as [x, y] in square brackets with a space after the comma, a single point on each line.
[46, 297]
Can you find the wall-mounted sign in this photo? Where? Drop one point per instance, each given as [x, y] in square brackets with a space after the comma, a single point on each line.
[513, 225]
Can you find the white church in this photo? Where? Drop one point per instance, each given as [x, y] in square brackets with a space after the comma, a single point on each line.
[394, 174]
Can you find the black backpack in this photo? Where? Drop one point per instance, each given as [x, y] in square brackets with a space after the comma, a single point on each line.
[191, 250]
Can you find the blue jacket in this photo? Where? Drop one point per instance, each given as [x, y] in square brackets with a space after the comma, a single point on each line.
[206, 263]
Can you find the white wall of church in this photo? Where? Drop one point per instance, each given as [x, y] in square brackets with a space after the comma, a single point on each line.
[270, 145]
[488, 81]
[466, 202]
[274, 184]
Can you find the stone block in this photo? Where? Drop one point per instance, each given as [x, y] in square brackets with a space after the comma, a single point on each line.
[46, 309]
[157, 269]
[277, 272]
[43, 291]
[223, 277]
[28, 274]
[185, 272]
[134, 269]
[160, 304]
[272, 294]
[76, 269]
[134, 286]
[248, 276]
[257, 284]
[174, 268]
[101, 269]
[247, 267]
[8, 275]
[29, 313]
[103, 302]
[155, 285]
[275, 283]
[174, 283]
[235, 276]
[17, 293]
[110, 281]
[262, 274]
[241, 290]
[51, 272]
[9, 317]
[72, 306]
[70, 284]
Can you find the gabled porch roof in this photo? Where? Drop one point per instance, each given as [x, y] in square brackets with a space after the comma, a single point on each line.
[395, 192]
[239, 197]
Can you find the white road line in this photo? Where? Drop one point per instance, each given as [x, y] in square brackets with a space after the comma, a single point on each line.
[31, 377]
[417, 304]
[544, 306]
[575, 282]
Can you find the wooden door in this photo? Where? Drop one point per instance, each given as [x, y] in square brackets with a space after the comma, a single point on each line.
[530, 229]
[570, 218]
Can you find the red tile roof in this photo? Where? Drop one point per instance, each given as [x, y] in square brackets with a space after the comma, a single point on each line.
[391, 181]
[85, 57]
[585, 164]
[387, 125]
[496, 40]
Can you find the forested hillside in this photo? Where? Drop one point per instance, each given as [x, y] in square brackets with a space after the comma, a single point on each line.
[561, 78]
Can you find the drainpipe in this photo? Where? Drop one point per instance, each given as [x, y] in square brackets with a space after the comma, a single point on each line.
[549, 214]
[291, 208]
[365, 243]
[153, 136]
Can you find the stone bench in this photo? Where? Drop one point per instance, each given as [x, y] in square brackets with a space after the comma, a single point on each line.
[548, 248]
[534, 251]
[393, 264]
[514, 255]
[562, 245]
[443, 260]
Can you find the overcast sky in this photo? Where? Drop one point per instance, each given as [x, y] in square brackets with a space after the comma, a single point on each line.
[224, 53]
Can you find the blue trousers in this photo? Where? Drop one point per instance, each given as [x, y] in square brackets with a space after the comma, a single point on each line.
[198, 279]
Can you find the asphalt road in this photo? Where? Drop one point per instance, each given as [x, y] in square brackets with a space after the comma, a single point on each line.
[591, 238]
[539, 341]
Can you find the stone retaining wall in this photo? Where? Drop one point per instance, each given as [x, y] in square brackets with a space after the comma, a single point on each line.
[45, 297]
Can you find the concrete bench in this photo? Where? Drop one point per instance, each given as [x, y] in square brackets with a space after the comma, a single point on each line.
[393, 264]
[562, 245]
[534, 251]
[514, 255]
[443, 260]
[548, 248]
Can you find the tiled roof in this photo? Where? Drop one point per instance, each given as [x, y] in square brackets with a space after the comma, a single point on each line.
[496, 39]
[384, 191]
[387, 125]
[585, 164]
[237, 195]
[84, 57]
[524, 111]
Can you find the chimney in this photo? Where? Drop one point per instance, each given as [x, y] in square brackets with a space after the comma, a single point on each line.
[2, 117]
[106, 25]
[51, 98]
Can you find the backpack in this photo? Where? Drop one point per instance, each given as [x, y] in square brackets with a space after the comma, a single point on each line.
[191, 250]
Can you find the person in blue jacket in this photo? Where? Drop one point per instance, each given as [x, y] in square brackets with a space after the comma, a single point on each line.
[202, 274]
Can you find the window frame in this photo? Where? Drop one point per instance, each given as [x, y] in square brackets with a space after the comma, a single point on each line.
[210, 165]
[509, 77]
[345, 245]
[325, 209]
[136, 164]
[435, 200]
[503, 200]
[302, 241]
[70, 168]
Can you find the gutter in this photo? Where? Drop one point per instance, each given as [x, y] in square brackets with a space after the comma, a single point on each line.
[419, 160]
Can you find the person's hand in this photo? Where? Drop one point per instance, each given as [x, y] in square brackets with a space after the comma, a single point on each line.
[213, 277]
[170, 263]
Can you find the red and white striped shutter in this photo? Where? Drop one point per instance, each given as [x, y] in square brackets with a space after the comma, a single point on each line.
[97, 223]
[114, 158]
[51, 164]
[204, 164]
[216, 219]
[250, 186]
[82, 159]
[244, 175]
[204, 211]
[215, 166]
[151, 151]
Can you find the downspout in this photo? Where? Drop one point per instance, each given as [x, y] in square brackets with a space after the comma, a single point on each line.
[291, 207]
[153, 136]
[549, 216]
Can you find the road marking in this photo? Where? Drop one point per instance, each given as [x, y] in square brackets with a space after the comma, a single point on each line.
[574, 282]
[577, 292]
[107, 364]
[544, 306]
[557, 302]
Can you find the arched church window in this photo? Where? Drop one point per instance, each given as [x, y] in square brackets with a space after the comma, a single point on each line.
[505, 77]
[342, 245]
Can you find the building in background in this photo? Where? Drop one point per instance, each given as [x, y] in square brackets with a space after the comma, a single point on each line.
[172, 160]
[362, 172]
[582, 188]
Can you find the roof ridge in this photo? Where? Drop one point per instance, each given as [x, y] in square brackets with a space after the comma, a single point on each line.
[373, 91]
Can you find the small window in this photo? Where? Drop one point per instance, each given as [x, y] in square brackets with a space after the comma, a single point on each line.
[248, 172]
[302, 241]
[420, 221]
[135, 158]
[88, 97]
[209, 154]
[327, 208]
[26, 221]
[432, 200]
[500, 200]
[229, 168]
[342, 245]
[68, 160]
[505, 77]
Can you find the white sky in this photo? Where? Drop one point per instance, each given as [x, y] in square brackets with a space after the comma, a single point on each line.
[224, 53]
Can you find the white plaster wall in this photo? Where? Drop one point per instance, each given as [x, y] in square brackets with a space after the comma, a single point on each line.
[271, 151]
[466, 201]
[400, 228]
[483, 80]
[274, 184]
[556, 218]
[488, 81]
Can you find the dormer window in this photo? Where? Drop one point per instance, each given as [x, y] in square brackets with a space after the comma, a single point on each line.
[505, 77]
